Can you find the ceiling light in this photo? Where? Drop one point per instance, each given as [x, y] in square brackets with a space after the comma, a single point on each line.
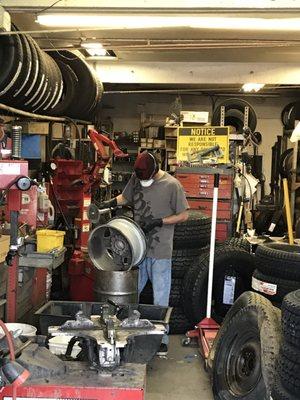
[252, 87]
[91, 44]
[96, 51]
[159, 21]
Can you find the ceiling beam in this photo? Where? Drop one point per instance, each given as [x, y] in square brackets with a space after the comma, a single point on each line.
[174, 5]
[197, 73]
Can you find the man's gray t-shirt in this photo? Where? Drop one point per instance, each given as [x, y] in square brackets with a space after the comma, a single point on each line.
[165, 197]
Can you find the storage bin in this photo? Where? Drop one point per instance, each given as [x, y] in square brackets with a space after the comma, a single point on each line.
[48, 240]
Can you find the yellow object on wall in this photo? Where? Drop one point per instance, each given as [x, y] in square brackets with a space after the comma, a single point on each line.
[194, 139]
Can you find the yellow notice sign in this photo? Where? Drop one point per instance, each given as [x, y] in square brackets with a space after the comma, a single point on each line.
[194, 139]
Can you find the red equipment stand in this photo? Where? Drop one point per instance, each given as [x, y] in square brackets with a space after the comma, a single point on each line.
[79, 382]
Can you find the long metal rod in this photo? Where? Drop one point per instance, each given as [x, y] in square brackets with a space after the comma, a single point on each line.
[36, 116]
[212, 246]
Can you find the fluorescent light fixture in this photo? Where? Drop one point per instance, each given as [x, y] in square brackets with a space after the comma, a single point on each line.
[252, 87]
[97, 52]
[91, 44]
[140, 21]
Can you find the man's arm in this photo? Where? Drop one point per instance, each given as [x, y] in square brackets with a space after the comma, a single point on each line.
[176, 218]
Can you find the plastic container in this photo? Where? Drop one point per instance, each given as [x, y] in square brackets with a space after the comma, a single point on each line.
[55, 313]
[27, 330]
[48, 240]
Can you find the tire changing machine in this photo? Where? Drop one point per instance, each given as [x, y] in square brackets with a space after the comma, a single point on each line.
[114, 349]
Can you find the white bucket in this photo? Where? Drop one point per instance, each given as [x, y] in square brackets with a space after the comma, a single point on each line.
[27, 330]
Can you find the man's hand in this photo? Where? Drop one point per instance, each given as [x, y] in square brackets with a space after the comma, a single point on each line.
[149, 225]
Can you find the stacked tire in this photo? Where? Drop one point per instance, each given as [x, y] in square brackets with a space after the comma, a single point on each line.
[190, 237]
[244, 355]
[277, 270]
[287, 384]
[233, 269]
[52, 84]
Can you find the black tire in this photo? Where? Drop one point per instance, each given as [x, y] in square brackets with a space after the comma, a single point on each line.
[246, 351]
[11, 62]
[291, 318]
[182, 260]
[175, 299]
[245, 300]
[229, 261]
[20, 83]
[279, 392]
[19, 98]
[70, 82]
[279, 260]
[178, 322]
[234, 114]
[283, 286]
[38, 89]
[238, 242]
[84, 100]
[289, 368]
[193, 233]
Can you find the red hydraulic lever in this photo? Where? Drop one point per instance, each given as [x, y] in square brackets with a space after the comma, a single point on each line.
[98, 140]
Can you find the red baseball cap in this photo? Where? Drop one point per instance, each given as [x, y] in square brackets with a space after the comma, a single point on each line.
[145, 166]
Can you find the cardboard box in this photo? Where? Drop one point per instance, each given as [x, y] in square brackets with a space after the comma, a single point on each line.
[4, 247]
[159, 143]
[36, 128]
[196, 117]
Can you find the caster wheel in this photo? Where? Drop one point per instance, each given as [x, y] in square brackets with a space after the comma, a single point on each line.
[186, 341]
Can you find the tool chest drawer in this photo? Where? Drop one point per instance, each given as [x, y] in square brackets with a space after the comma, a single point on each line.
[223, 210]
[223, 231]
[202, 185]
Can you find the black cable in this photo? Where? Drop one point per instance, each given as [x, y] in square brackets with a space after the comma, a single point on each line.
[49, 7]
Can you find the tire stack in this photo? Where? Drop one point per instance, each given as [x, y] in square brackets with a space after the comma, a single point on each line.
[50, 84]
[242, 361]
[189, 239]
[233, 269]
[277, 270]
[287, 383]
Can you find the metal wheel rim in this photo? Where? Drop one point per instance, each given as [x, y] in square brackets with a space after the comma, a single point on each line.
[134, 235]
[243, 369]
[118, 240]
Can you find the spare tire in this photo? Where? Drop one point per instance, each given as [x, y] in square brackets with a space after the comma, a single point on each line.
[246, 350]
[271, 287]
[234, 265]
[193, 233]
[279, 260]
[182, 261]
[234, 114]
[291, 318]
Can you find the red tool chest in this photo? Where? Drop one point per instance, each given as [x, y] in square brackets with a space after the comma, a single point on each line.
[198, 183]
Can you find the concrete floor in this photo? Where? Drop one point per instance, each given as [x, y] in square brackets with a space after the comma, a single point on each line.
[179, 376]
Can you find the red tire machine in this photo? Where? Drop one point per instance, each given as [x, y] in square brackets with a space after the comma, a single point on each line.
[72, 188]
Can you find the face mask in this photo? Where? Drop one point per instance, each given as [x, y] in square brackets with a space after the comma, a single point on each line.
[147, 183]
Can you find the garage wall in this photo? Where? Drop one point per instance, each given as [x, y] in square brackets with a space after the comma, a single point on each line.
[125, 111]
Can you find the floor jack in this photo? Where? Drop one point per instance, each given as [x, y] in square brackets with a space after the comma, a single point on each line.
[206, 330]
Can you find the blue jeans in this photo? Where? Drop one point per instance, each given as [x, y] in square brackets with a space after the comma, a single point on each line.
[159, 273]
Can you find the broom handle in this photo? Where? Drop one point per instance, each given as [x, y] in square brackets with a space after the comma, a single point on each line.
[212, 245]
[288, 210]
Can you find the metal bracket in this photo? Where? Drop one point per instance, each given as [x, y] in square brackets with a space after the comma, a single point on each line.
[222, 116]
[246, 117]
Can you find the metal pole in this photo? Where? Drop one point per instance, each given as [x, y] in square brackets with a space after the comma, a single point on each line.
[212, 245]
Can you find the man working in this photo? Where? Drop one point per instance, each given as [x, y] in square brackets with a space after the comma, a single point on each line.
[159, 202]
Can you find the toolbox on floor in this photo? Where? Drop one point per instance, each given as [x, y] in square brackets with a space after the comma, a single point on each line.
[55, 313]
